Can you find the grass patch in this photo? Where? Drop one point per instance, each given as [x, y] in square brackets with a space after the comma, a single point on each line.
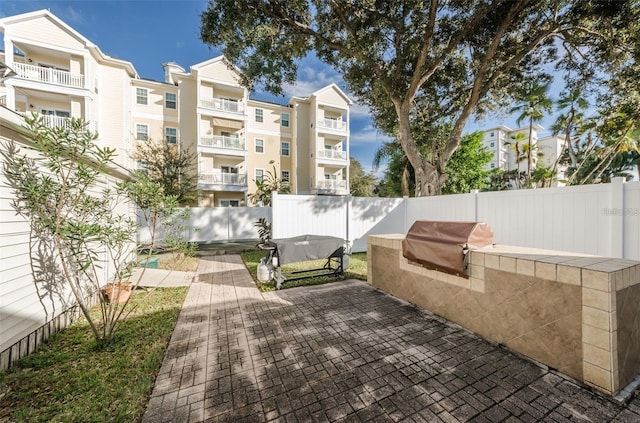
[357, 270]
[177, 262]
[72, 379]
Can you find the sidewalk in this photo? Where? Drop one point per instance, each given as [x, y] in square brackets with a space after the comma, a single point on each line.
[345, 352]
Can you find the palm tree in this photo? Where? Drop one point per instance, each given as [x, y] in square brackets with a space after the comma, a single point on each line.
[535, 102]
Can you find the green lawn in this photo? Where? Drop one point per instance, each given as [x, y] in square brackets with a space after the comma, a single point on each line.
[357, 270]
[71, 379]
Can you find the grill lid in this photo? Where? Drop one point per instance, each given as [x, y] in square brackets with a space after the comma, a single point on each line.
[443, 245]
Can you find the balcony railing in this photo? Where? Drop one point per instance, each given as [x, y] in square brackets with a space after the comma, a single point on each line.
[222, 104]
[332, 124]
[49, 75]
[221, 141]
[224, 178]
[332, 184]
[332, 154]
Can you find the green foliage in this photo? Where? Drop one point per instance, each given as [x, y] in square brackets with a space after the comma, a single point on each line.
[417, 63]
[171, 167]
[360, 184]
[265, 189]
[465, 170]
[72, 379]
[264, 230]
[62, 192]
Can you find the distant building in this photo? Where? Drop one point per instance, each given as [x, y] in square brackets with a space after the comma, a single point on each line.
[501, 142]
[61, 74]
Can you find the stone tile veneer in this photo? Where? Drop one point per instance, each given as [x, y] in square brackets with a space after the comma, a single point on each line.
[577, 313]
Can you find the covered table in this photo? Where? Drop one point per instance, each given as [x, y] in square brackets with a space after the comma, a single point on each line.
[304, 248]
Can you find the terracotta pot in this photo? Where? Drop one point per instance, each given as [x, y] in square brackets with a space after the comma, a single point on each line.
[118, 292]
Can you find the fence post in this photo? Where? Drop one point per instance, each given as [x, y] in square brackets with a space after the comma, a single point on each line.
[617, 217]
[347, 199]
[274, 207]
[405, 204]
[475, 192]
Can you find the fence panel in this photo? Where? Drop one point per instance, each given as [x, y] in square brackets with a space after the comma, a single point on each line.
[370, 216]
[459, 207]
[295, 215]
[567, 218]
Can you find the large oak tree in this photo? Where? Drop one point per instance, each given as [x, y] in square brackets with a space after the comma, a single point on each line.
[442, 59]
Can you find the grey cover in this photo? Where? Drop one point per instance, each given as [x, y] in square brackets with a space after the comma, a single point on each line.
[306, 247]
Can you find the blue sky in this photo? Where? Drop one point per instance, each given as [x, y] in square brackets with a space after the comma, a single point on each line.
[149, 33]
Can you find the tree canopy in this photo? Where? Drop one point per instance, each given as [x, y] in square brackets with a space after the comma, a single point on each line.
[434, 60]
[361, 184]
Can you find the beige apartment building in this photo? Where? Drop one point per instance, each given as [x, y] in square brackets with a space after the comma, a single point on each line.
[58, 73]
[501, 140]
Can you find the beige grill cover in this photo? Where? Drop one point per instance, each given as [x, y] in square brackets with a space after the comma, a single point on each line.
[442, 245]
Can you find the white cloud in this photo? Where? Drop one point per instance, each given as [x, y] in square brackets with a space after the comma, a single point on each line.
[179, 44]
[368, 135]
[359, 111]
[72, 16]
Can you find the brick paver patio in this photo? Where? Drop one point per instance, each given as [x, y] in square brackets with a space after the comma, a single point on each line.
[345, 352]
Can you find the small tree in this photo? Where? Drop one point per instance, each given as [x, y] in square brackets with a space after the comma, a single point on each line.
[169, 166]
[265, 188]
[62, 193]
[361, 184]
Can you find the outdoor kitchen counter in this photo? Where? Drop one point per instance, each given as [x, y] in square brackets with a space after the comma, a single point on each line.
[573, 312]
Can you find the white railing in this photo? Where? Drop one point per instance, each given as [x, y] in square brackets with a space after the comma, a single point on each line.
[332, 154]
[332, 184]
[221, 141]
[224, 178]
[332, 124]
[49, 75]
[223, 104]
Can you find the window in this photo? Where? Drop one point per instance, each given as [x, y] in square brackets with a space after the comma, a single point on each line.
[259, 145]
[259, 175]
[171, 135]
[229, 203]
[59, 113]
[142, 132]
[284, 119]
[493, 165]
[284, 175]
[141, 95]
[259, 115]
[492, 144]
[493, 134]
[284, 148]
[170, 100]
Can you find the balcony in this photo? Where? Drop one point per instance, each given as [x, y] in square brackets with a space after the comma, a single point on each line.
[222, 104]
[335, 124]
[223, 178]
[222, 141]
[332, 154]
[48, 75]
[332, 185]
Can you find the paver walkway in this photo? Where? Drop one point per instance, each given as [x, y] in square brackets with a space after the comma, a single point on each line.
[345, 352]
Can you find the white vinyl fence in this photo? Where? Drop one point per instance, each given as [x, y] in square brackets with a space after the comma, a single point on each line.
[215, 224]
[599, 219]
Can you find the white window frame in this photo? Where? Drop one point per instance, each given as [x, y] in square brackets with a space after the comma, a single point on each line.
[141, 125]
[56, 112]
[255, 174]
[283, 120]
[287, 177]
[229, 202]
[174, 136]
[282, 143]
[140, 96]
[255, 145]
[174, 101]
[259, 115]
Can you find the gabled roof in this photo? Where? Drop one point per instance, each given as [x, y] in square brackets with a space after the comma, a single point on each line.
[44, 13]
[333, 86]
[214, 60]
